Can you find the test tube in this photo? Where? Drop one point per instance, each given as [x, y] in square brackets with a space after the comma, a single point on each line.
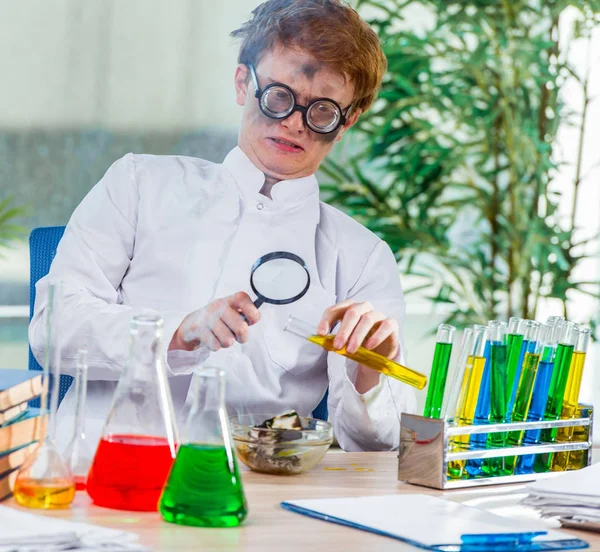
[556, 393]
[439, 371]
[539, 396]
[514, 340]
[498, 358]
[482, 411]
[460, 379]
[579, 458]
[535, 333]
[571, 398]
[469, 394]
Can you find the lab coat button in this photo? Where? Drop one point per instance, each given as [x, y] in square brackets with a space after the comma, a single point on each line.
[259, 206]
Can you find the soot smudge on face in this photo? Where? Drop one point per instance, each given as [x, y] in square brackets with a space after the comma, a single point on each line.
[310, 69]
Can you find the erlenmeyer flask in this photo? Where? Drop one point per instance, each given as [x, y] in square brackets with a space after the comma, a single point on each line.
[45, 480]
[139, 439]
[362, 355]
[204, 487]
[78, 454]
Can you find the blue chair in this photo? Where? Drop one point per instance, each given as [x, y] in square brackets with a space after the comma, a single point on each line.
[321, 411]
[42, 248]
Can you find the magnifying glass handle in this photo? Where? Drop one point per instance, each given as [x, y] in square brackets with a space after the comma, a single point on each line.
[259, 301]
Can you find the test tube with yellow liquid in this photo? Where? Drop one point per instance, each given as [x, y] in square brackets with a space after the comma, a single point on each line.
[362, 355]
[469, 393]
[560, 462]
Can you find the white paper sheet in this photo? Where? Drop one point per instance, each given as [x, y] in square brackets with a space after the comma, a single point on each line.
[583, 482]
[422, 518]
[23, 531]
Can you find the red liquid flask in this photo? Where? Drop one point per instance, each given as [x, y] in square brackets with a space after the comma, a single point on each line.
[143, 466]
[139, 441]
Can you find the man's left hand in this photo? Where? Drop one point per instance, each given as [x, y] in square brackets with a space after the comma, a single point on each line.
[361, 325]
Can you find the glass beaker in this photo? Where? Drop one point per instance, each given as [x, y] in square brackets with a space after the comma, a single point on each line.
[78, 454]
[45, 480]
[204, 487]
[139, 440]
[362, 355]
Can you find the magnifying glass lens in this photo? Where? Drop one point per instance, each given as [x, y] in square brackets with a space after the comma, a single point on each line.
[279, 279]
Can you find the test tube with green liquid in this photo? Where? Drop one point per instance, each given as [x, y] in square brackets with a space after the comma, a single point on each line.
[469, 393]
[514, 343]
[539, 397]
[558, 384]
[439, 371]
[571, 399]
[498, 358]
[534, 333]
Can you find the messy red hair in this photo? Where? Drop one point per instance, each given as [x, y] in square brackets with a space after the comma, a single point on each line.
[329, 30]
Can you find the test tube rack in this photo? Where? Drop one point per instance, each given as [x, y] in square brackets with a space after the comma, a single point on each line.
[426, 449]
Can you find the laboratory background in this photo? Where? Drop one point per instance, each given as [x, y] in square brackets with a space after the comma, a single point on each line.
[479, 167]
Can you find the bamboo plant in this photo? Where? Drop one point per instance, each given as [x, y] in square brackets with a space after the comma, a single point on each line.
[458, 154]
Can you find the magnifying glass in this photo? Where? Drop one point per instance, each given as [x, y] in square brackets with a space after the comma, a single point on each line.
[279, 278]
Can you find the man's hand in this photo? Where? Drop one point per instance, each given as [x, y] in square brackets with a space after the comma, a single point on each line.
[361, 325]
[218, 324]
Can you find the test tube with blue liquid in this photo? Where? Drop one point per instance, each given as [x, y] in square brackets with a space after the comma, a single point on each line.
[539, 395]
[482, 411]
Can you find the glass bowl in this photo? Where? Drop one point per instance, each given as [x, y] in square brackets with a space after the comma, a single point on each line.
[280, 451]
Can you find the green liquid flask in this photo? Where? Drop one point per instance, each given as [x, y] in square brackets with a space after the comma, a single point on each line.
[204, 487]
[439, 371]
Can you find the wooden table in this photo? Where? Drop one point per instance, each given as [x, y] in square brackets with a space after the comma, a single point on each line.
[270, 528]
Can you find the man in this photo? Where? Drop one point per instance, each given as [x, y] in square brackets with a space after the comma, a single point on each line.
[180, 235]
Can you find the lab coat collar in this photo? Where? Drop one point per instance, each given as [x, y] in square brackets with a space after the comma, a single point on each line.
[250, 180]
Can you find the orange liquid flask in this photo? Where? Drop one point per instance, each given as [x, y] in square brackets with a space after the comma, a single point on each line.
[139, 440]
[45, 479]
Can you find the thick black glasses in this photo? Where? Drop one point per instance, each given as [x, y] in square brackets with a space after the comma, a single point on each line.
[278, 101]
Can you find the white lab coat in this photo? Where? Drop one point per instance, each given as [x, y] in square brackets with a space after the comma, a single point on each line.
[172, 234]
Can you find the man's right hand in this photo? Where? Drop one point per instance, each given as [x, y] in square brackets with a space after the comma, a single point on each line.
[218, 324]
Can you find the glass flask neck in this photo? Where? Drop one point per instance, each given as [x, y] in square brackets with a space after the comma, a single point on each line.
[145, 346]
[80, 392]
[52, 358]
[299, 327]
[142, 407]
[206, 421]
